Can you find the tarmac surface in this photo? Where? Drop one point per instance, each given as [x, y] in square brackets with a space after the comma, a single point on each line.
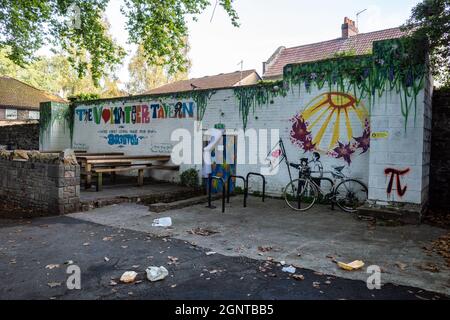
[35, 254]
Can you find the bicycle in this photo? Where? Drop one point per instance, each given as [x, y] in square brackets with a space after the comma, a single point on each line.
[301, 194]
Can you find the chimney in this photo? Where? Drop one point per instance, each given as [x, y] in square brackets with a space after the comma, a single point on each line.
[349, 28]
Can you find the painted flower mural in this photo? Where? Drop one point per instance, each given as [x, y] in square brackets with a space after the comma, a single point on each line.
[334, 123]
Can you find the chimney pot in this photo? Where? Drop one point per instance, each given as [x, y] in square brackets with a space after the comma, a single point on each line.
[349, 28]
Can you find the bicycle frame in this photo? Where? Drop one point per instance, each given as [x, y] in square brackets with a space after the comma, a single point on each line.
[305, 174]
[331, 194]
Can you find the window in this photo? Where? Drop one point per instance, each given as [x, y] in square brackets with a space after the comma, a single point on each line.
[33, 115]
[11, 114]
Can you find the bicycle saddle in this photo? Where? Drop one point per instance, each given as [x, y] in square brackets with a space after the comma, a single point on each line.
[339, 169]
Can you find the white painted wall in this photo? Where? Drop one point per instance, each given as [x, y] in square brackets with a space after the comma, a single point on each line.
[400, 150]
[404, 149]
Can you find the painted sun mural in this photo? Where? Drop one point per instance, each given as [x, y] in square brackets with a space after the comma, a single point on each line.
[334, 123]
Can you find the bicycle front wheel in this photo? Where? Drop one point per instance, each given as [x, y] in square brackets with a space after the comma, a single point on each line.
[351, 194]
[300, 195]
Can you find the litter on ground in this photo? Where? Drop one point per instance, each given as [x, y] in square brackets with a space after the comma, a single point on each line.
[289, 269]
[128, 277]
[162, 222]
[355, 265]
[156, 273]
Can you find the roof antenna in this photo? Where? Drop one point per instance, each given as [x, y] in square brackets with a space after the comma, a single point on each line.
[214, 11]
[357, 17]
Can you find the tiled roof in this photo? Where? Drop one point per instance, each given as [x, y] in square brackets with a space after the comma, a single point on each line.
[17, 94]
[359, 44]
[223, 80]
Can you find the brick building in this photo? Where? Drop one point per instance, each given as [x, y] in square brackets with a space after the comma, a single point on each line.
[351, 42]
[19, 102]
[223, 80]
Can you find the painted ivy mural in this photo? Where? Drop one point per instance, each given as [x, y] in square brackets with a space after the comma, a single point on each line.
[251, 97]
[56, 112]
[333, 123]
[395, 65]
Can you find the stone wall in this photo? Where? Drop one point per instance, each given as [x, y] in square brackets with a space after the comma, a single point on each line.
[440, 151]
[25, 136]
[44, 186]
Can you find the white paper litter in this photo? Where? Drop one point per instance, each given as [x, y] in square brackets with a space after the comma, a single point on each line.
[156, 273]
[162, 222]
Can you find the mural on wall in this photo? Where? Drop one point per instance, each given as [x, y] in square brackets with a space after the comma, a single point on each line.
[51, 113]
[396, 174]
[396, 65]
[333, 123]
[135, 114]
[128, 125]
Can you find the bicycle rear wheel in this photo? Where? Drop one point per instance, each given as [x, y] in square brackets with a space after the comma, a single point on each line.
[300, 195]
[351, 194]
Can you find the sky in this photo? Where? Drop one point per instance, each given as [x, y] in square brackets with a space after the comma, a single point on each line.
[218, 47]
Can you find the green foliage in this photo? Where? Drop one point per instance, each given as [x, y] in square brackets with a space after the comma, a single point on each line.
[55, 74]
[144, 76]
[349, 53]
[189, 178]
[257, 194]
[159, 26]
[84, 97]
[26, 26]
[238, 190]
[430, 19]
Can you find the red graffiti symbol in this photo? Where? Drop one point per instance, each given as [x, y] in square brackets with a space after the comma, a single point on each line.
[396, 174]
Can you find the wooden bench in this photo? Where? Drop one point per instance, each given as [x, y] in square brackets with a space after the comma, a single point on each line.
[100, 171]
[140, 168]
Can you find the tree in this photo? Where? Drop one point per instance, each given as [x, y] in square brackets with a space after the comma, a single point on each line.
[76, 27]
[56, 75]
[430, 19]
[110, 88]
[145, 76]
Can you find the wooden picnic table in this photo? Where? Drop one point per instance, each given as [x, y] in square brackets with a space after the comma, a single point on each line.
[90, 161]
[59, 151]
[85, 154]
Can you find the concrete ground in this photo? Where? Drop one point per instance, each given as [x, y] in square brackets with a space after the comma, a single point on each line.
[35, 254]
[310, 240]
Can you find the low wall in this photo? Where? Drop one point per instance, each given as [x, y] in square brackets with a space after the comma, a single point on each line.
[42, 184]
[440, 151]
[24, 136]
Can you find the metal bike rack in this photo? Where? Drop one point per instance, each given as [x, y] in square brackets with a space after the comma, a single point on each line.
[229, 188]
[210, 179]
[246, 185]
